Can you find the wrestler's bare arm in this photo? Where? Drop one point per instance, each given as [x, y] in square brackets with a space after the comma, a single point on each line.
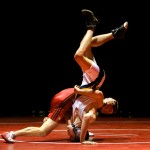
[89, 92]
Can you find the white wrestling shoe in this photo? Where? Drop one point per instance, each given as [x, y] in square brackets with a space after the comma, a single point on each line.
[8, 136]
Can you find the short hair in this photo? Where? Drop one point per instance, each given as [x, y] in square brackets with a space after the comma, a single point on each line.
[113, 102]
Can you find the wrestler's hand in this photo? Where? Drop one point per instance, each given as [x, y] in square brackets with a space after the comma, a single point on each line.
[76, 89]
[89, 142]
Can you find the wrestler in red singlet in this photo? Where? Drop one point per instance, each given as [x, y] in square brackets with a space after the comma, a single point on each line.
[61, 103]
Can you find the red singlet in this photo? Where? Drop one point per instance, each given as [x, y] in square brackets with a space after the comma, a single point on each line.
[61, 103]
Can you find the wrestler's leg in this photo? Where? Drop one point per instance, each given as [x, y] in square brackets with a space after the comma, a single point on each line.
[44, 130]
[117, 33]
[84, 55]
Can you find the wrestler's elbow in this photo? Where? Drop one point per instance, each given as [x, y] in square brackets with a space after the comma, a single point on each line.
[89, 118]
[99, 94]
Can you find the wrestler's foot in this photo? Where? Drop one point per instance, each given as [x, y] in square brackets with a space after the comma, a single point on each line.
[8, 136]
[89, 142]
[119, 32]
[91, 20]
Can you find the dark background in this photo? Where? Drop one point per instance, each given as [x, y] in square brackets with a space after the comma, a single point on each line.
[39, 39]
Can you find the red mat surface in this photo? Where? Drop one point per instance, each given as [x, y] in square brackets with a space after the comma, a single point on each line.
[109, 133]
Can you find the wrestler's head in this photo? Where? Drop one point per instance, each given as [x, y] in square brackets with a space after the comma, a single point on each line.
[74, 133]
[110, 106]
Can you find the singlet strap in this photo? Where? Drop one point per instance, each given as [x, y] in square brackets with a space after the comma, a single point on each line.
[94, 83]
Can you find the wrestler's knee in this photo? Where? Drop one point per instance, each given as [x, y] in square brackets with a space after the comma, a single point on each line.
[43, 132]
[78, 55]
[89, 117]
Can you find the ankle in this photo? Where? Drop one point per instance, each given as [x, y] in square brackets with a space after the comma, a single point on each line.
[13, 135]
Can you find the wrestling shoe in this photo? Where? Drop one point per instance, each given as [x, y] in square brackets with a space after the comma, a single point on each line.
[91, 20]
[119, 32]
[8, 136]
